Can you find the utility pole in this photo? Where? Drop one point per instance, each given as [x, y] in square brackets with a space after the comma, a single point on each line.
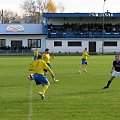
[2, 17]
[103, 30]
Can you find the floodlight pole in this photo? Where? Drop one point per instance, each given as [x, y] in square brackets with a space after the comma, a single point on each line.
[2, 16]
[103, 30]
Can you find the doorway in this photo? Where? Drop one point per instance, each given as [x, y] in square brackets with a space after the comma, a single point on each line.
[92, 46]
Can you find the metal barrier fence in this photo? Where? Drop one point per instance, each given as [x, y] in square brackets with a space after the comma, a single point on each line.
[16, 52]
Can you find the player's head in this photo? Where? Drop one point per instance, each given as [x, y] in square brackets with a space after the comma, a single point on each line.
[47, 51]
[39, 56]
[85, 49]
[117, 57]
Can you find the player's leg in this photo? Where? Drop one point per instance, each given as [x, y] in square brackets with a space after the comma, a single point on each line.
[40, 79]
[114, 74]
[109, 82]
[45, 71]
[44, 81]
[44, 88]
[85, 68]
[82, 65]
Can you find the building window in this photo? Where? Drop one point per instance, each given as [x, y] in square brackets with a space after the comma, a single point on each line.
[74, 43]
[16, 45]
[2, 42]
[110, 43]
[34, 43]
[57, 43]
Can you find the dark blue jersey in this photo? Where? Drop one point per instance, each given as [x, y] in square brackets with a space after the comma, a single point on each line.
[116, 64]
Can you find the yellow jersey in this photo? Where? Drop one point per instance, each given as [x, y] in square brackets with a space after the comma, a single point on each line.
[36, 53]
[46, 58]
[85, 55]
[38, 66]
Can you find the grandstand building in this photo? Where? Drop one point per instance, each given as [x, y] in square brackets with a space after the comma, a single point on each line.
[22, 36]
[66, 32]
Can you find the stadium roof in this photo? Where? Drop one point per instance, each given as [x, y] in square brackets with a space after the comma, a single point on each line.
[65, 15]
[61, 15]
[23, 29]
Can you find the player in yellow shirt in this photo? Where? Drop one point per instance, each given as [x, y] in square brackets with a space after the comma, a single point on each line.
[38, 67]
[84, 61]
[36, 54]
[46, 57]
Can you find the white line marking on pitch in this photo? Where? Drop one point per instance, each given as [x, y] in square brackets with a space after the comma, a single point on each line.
[30, 102]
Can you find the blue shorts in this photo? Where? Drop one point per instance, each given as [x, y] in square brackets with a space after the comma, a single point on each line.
[40, 79]
[35, 57]
[84, 61]
[49, 67]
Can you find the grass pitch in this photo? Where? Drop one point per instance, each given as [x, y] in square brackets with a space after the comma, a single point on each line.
[75, 97]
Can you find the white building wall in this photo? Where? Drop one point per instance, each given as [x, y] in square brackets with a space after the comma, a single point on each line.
[85, 44]
[24, 39]
[99, 46]
[65, 47]
[45, 43]
[110, 49]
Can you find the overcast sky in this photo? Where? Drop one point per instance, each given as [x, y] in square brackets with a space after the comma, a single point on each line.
[71, 5]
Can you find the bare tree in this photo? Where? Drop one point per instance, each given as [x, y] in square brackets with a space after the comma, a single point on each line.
[41, 5]
[33, 9]
[29, 8]
[10, 17]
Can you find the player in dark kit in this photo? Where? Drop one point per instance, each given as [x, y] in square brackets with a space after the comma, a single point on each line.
[116, 68]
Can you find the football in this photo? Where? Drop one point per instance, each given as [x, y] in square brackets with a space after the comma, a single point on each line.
[31, 77]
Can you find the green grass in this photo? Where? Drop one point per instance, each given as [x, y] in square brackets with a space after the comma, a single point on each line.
[75, 97]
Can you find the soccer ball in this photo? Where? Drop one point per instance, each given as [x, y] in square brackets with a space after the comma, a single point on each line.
[31, 77]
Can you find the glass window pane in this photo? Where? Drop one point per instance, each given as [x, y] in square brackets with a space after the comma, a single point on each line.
[34, 43]
[110, 43]
[2, 42]
[72, 43]
[57, 43]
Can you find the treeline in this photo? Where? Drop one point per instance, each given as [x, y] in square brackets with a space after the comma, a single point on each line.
[31, 11]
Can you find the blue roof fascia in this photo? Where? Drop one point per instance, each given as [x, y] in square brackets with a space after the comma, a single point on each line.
[62, 15]
[71, 15]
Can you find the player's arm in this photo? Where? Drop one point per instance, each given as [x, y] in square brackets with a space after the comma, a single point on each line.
[112, 68]
[87, 54]
[51, 57]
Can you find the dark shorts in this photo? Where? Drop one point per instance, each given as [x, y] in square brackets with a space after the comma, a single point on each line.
[84, 61]
[49, 67]
[40, 79]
